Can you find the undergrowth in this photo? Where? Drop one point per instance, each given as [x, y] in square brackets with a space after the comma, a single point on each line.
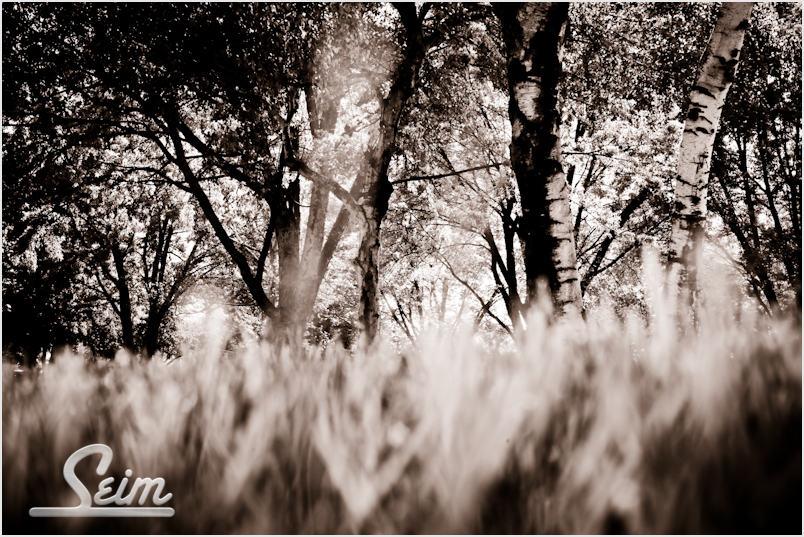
[612, 423]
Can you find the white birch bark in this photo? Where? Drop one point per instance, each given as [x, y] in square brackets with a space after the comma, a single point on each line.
[707, 98]
[533, 34]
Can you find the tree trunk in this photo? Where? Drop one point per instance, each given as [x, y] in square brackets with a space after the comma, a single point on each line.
[533, 35]
[754, 260]
[375, 167]
[789, 256]
[121, 282]
[309, 278]
[504, 271]
[707, 98]
[152, 331]
[368, 255]
[323, 115]
[288, 232]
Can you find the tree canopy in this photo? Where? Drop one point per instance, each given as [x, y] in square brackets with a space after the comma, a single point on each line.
[320, 168]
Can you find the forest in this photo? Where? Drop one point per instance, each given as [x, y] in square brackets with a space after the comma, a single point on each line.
[431, 267]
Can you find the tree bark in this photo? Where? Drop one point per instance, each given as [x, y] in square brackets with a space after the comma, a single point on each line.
[377, 159]
[323, 115]
[286, 205]
[153, 325]
[533, 34]
[707, 98]
[124, 311]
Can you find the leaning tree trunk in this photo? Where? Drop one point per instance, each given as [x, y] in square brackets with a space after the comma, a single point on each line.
[533, 34]
[375, 168]
[706, 104]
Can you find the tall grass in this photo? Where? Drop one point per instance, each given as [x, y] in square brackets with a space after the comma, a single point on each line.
[608, 424]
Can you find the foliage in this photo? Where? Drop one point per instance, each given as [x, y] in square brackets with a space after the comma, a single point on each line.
[92, 92]
[757, 161]
[172, 170]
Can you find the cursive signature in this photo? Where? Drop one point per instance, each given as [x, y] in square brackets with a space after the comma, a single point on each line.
[141, 489]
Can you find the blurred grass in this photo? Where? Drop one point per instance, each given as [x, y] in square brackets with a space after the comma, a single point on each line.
[604, 424]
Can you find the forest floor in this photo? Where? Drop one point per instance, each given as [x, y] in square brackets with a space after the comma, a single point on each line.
[636, 423]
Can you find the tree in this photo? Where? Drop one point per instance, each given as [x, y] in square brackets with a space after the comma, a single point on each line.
[369, 198]
[707, 98]
[756, 163]
[390, 166]
[186, 81]
[533, 35]
[155, 259]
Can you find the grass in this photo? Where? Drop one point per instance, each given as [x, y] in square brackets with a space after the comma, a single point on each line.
[613, 423]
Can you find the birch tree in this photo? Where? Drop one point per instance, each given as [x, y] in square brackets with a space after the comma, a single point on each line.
[707, 98]
[533, 35]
